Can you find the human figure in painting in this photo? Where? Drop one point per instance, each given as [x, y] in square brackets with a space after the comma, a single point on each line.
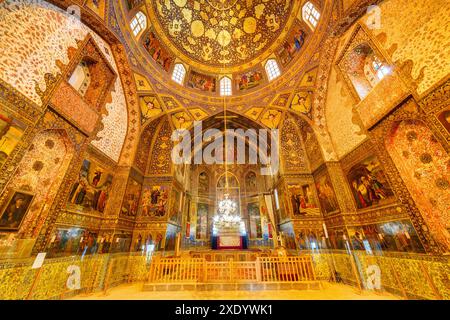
[299, 39]
[97, 177]
[103, 197]
[155, 196]
[14, 213]
[138, 243]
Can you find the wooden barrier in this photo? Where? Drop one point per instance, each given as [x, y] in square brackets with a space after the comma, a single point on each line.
[264, 269]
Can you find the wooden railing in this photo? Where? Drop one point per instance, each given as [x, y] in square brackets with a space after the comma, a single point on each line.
[287, 269]
[263, 269]
[19, 281]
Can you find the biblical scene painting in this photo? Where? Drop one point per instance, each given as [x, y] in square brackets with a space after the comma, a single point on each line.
[130, 203]
[202, 221]
[255, 220]
[91, 192]
[154, 201]
[389, 236]
[171, 236]
[288, 235]
[369, 184]
[203, 183]
[11, 131]
[303, 201]
[293, 44]
[175, 211]
[156, 50]
[248, 80]
[76, 241]
[250, 182]
[325, 192]
[14, 211]
[201, 82]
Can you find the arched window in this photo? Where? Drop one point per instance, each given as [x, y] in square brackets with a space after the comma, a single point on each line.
[81, 78]
[225, 86]
[178, 73]
[138, 23]
[380, 68]
[272, 69]
[311, 15]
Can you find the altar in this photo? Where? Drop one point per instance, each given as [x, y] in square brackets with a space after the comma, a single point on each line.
[228, 238]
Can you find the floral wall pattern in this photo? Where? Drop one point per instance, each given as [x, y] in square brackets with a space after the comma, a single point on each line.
[417, 28]
[40, 173]
[424, 166]
[36, 35]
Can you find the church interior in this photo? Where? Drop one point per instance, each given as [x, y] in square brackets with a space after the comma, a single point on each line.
[315, 160]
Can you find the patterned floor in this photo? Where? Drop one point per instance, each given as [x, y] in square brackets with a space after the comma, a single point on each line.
[330, 292]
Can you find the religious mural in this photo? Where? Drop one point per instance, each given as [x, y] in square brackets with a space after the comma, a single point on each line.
[388, 236]
[292, 45]
[369, 184]
[76, 241]
[130, 203]
[201, 81]
[250, 182]
[325, 191]
[303, 201]
[175, 206]
[248, 80]
[203, 182]
[288, 234]
[91, 191]
[171, 235]
[154, 201]
[11, 132]
[255, 220]
[157, 51]
[202, 221]
[15, 210]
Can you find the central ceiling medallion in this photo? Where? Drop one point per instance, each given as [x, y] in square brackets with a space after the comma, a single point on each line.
[218, 33]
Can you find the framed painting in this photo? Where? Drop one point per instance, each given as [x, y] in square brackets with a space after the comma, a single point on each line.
[13, 213]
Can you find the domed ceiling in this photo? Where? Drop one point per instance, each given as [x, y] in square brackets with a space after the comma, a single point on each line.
[221, 33]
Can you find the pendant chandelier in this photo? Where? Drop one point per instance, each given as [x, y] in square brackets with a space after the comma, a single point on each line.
[227, 212]
[227, 209]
